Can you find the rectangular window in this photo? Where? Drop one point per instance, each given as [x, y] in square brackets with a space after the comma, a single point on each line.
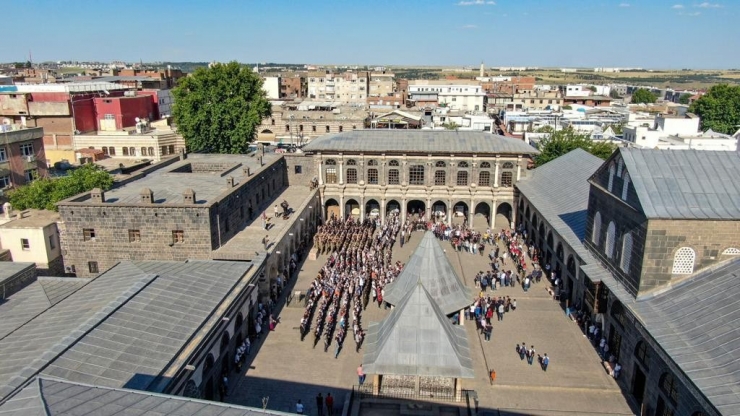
[352, 175]
[3, 155]
[134, 235]
[440, 177]
[109, 116]
[30, 174]
[92, 266]
[393, 177]
[178, 236]
[416, 175]
[372, 176]
[88, 234]
[25, 244]
[27, 149]
[331, 175]
[52, 243]
[4, 181]
[298, 169]
[506, 179]
[313, 128]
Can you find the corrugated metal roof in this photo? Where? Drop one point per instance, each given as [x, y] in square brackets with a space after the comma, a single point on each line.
[46, 397]
[417, 339]
[697, 324]
[559, 190]
[685, 184]
[430, 266]
[420, 141]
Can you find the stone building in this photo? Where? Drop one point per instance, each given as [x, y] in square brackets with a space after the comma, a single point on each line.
[652, 249]
[448, 174]
[299, 123]
[192, 207]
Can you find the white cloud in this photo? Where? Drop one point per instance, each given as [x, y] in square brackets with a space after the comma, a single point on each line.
[677, 6]
[476, 3]
[470, 27]
[624, 5]
[693, 14]
[708, 5]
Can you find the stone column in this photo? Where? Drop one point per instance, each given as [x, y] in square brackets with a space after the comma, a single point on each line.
[341, 172]
[376, 384]
[321, 173]
[518, 168]
[382, 179]
[458, 389]
[471, 213]
[493, 215]
[382, 210]
[495, 174]
[404, 172]
[403, 209]
[362, 208]
[473, 173]
[461, 319]
[449, 212]
[429, 209]
[341, 207]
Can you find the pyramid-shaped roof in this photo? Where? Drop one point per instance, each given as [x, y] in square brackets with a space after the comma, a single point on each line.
[417, 339]
[430, 265]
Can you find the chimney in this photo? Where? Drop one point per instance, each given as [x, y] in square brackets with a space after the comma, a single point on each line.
[188, 197]
[247, 171]
[97, 195]
[146, 196]
[230, 181]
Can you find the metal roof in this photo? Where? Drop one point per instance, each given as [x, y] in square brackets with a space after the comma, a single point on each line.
[430, 266]
[696, 323]
[417, 339]
[563, 203]
[48, 397]
[420, 141]
[685, 184]
[123, 328]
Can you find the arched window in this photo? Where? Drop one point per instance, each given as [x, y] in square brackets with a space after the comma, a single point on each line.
[351, 162]
[611, 177]
[596, 232]
[620, 165]
[610, 237]
[372, 162]
[507, 179]
[642, 353]
[330, 162]
[225, 340]
[132, 151]
[143, 151]
[393, 177]
[669, 387]
[683, 261]
[485, 165]
[462, 164]
[625, 185]
[105, 150]
[626, 253]
[372, 176]
[393, 163]
[732, 251]
[112, 151]
[440, 164]
[125, 151]
[508, 165]
[617, 312]
[484, 178]
[440, 177]
[351, 175]
[462, 178]
[327, 129]
[151, 151]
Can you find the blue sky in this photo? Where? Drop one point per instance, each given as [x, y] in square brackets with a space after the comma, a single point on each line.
[584, 33]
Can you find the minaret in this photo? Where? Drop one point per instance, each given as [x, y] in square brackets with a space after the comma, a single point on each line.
[482, 70]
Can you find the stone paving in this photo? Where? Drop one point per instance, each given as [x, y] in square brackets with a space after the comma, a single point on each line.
[286, 369]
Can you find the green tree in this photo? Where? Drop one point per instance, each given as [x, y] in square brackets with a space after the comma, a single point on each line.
[684, 98]
[563, 141]
[643, 96]
[218, 109]
[719, 108]
[614, 94]
[44, 193]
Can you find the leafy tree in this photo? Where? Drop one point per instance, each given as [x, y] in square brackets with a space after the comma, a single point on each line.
[450, 126]
[563, 141]
[684, 98]
[719, 108]
[218, 109]
[592, 88]
[643, 96]
[44, 193]
[614, 94]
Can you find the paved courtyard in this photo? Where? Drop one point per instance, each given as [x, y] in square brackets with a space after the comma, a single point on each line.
[286, 369]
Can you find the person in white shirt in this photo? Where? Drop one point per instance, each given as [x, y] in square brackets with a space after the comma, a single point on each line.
[299, 407]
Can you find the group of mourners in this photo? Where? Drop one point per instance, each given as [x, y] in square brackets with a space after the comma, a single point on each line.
[358, 268]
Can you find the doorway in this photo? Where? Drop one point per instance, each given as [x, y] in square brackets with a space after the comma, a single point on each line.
[638, 384]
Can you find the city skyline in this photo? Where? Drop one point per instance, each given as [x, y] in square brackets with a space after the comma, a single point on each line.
[429, 33]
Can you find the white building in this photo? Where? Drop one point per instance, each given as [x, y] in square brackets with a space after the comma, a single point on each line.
[641, 133]
[577, 91]
[32, 236]
[456, 95]
[271, 85]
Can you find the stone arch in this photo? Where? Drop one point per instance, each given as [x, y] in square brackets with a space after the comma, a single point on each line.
[372, 208]
[559, 254]
[191, 390]
[331, 208]
[416, 207]
[504, 214]
[482, 210]
[208, 390]
[527, 214]
[266, 131]
[225, 338]
[352, 207]
[238, 327]
[570, 265]
[460, 211]
[439, 210]
[392, 205]
[550, 242]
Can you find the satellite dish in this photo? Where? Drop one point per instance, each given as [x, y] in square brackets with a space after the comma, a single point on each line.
[137, 119]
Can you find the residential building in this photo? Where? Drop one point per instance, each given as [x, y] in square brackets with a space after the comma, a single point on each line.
[271, 85]
[589, 101]
[386, 103]
[536, 100]
[642, 260]
[151, 141]
[32, 236]
[454, 94]
[22, 155]
[446, 174]
[301, 122]
[646, 135]
[382, 84]
[346, 87]
[293, 86]
[507, 85]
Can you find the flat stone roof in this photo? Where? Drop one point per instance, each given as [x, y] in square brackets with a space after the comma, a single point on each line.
[31, 218]
[206, 174]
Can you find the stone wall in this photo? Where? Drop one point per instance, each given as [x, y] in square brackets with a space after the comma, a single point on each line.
[300, 169]
[54, 268]
[18, 281]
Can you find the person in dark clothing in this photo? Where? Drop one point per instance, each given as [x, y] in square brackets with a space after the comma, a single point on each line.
[329, 404]
[320, 404]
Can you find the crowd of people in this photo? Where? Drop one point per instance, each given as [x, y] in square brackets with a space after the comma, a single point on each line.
[358, 268]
